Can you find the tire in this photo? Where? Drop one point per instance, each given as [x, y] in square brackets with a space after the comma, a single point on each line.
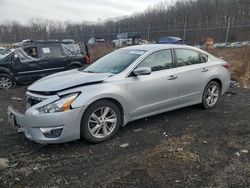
[211, 95]
[6, 81]
[75, 65]
[94, 119]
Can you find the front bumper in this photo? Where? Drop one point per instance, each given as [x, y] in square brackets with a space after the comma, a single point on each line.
[31, 122]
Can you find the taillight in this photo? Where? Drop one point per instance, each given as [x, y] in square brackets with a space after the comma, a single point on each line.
[87, 60]
[226, 66]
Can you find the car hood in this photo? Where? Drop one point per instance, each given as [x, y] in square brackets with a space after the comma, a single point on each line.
[67, 79]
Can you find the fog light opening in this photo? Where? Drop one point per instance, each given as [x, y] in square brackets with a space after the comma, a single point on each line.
[53, 132]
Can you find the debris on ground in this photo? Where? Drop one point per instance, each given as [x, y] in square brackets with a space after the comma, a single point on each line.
[124, 145]
[4, 163]
[137, 130]
[244, 151]
[179, 149]
[238, 154]
[17, 98]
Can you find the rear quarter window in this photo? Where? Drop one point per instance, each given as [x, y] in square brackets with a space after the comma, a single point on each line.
[51, 51]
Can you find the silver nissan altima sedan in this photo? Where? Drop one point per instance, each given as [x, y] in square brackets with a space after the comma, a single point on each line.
[125, 85]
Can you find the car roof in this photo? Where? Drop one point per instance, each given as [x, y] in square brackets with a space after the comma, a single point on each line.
[35, 42]
[149, 47]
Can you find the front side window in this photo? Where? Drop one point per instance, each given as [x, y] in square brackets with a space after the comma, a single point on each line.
[23, 56]
[158, 60]
[186, 57]
[32, 51]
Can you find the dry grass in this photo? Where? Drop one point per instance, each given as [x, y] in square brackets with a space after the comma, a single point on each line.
[175, 148]
[239, 60]
[99, 50]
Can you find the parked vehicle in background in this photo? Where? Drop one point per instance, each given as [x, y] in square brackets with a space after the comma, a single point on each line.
[32, 60]
[170, 40]
[217, 45]
[246, 43]
[127, 39]
[2, 49]
[235, 45]
[94, 40]
[223, 45]
[125, 85]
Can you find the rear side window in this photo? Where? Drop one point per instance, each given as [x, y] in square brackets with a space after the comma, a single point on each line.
[51, 51]
[186, 57]
[158, 60]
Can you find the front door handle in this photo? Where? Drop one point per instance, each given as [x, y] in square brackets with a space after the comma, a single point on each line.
[204, 70]
[172, 77]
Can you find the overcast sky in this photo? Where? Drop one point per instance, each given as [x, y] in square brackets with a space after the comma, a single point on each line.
[70, 10]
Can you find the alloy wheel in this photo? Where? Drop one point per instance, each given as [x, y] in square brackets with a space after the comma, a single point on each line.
[5, 82]
[212, 95]
[102, 122]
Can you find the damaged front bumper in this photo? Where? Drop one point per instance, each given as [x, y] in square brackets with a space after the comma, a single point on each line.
[47, 128]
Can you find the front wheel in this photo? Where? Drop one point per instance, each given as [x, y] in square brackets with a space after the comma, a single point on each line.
[211, 95]
[101, 121]
[6, 81]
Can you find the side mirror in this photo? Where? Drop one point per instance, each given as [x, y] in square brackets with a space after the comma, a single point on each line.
[142, 71]
[205, 58]
[16, 58]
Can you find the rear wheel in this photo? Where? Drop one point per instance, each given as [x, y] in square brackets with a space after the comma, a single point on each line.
[6, 81]
[75, 65]
[101, 121]
[211, 95]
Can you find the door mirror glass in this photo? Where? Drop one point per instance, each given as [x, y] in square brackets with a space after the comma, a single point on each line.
[142, 71]
[205, 58]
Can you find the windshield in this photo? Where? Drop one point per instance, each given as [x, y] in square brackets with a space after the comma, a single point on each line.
[114, 62]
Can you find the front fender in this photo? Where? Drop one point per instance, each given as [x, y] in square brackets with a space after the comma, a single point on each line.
[92, 93]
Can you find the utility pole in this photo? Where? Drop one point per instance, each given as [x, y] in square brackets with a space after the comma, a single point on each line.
[228, 29]
[149, 32]
[92, 32]
[184, 32]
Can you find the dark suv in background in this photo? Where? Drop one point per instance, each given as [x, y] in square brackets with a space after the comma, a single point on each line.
[30, 60]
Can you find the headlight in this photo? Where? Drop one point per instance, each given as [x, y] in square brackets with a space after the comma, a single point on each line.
[61, 105]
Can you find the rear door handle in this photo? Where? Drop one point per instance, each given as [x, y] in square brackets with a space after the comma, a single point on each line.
[204, 70]
[172, 77]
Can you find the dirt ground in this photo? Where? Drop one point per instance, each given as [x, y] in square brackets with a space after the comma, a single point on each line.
[189, 147]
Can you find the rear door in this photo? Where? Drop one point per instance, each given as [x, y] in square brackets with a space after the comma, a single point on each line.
[53, 56]
[193, 72]
[155, 92]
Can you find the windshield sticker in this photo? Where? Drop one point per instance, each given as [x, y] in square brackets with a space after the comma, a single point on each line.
[46, 50]
[136, 52]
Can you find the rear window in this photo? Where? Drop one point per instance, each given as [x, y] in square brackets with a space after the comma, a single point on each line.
[51, 51]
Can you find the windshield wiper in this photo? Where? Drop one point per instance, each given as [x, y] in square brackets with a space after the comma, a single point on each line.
[88, 71]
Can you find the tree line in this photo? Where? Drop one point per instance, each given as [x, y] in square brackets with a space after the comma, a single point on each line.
[195, 19]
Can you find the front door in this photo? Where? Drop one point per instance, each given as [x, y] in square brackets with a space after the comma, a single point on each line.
[26, 68]
[151, 94]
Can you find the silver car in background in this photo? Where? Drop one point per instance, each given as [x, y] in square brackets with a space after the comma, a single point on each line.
[125, 85]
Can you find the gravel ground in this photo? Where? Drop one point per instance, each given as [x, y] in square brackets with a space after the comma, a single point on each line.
[189, 147]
